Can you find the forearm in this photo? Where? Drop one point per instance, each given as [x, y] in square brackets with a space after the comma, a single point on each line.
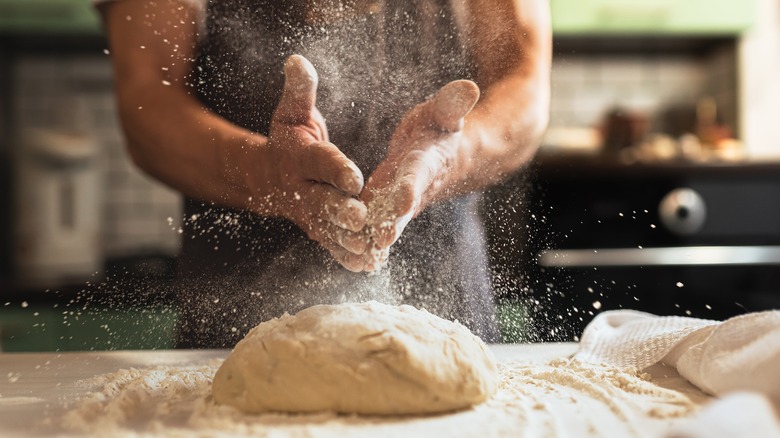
[502, 133]
[172, 137]
[512, 45]
[169, 132]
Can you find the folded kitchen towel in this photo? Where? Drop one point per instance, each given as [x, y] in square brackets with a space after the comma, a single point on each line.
[741, 353]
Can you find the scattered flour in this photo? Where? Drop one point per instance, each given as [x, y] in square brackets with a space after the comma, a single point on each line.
[560, 398]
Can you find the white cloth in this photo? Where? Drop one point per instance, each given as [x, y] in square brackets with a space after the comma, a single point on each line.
[737, 360]
[741, 353]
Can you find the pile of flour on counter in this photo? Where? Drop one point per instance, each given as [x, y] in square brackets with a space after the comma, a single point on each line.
[559, 398]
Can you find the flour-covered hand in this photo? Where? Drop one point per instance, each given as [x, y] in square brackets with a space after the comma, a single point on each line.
[422, 153]
[310, 181]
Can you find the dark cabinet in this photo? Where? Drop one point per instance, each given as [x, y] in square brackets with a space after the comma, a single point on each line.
[667, 238]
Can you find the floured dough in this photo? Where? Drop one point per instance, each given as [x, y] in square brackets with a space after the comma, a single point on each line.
[366, 358]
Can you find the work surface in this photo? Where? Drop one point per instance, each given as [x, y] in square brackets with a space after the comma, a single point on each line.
[542, 394]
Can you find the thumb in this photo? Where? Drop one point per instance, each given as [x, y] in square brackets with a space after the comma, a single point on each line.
[452, 103]
[299, 94]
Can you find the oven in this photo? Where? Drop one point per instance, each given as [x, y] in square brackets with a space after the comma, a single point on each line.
[673, 238]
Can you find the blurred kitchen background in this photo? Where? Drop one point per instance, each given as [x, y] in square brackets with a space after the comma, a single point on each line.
[664, 137]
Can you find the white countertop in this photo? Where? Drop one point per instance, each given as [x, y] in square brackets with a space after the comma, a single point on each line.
[34, 386]
[38, 387]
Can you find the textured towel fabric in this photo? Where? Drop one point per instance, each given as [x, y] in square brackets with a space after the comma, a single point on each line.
[635, 339]
[741, 353]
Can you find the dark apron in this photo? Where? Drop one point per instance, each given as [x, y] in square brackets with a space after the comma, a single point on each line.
[239, 269]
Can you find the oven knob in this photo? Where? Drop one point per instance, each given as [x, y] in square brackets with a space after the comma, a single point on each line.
[683, 211]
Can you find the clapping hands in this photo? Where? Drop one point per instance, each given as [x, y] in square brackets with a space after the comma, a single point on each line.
[358, 224]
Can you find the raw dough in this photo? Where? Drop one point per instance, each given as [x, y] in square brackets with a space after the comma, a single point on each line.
[365, 358]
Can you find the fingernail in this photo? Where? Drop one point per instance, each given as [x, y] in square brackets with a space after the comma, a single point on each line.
[354, 243]
[353, 216]
[308, 74]
[353, 263]
[356, 246]
[351, 180]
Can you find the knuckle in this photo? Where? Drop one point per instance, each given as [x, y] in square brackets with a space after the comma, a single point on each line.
[415, 156]
[326, 149]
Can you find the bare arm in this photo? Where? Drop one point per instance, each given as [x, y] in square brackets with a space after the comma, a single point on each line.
[169, 133]
[457, 142]
[512, 42]
[293, 173]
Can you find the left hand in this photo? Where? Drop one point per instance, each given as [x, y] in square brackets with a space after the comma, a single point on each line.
[422, 155]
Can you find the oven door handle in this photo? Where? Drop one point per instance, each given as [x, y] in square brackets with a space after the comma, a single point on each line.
[670, 256]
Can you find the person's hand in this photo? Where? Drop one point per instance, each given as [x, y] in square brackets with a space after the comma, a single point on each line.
[309, 180]
[422, 154]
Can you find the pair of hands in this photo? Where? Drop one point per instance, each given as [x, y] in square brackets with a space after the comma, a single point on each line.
[313, 184]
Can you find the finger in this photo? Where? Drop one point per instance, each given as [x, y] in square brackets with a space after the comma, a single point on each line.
[374, 263]
[320, 234]
[355, 243]
[337, 217]
[396, 204]
[338, 241]
[324, 162]
[350, 261]
[346, 213]
[299, 94]
[452, 103]
[354, 263]
[416, 174]
[339, 209]
[389, 231]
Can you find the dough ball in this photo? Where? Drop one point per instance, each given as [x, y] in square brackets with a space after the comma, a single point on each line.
[364, 358]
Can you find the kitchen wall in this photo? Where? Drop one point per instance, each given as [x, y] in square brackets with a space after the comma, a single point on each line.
[75, 93]
[586, 86]
[759, 58]
[742, 77]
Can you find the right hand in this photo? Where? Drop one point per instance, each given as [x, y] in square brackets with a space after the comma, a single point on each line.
[309, 180]
[423, 159]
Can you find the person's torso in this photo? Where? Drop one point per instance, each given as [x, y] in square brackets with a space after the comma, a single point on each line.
[373, 66]
[375, 61]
